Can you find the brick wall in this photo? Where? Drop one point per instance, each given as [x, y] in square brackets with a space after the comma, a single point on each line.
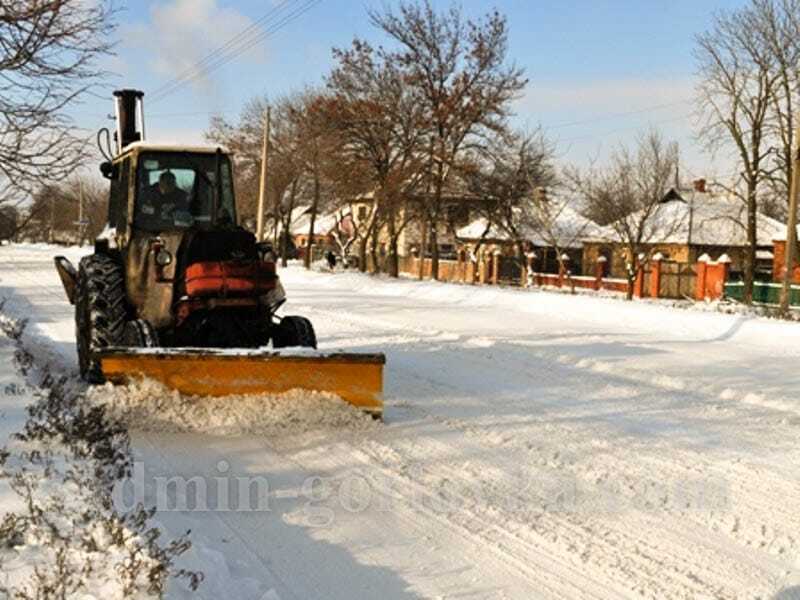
[779, 263]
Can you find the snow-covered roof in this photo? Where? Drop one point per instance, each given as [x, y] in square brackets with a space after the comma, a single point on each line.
[705, 219]
[324, 223]
[784, 232]
[569, 228]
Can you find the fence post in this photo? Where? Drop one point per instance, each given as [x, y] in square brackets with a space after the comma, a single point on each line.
[638, 283]
[529, 258]
[655, 275]
[725, 265]
[599, 272]
[702, 269]
[472, 268]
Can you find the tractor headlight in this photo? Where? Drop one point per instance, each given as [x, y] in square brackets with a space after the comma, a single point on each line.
[163, 257]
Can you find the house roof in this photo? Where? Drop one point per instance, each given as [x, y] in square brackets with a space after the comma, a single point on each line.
[324, 223]
[705, 219]
[569, 228]
[783, 234]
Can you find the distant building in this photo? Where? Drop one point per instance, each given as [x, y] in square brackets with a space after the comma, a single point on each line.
[567, 232]
[691, 223]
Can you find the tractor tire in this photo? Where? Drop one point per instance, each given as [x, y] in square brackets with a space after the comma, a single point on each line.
[139, 333]
[294, 331]
[100, 311]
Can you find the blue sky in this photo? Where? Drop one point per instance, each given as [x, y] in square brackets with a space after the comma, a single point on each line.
[599, 70]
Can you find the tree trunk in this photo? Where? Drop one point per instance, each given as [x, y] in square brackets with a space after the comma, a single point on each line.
[630, 274]
[312, 222]
[393, 268]
[434, 252]
[373, 250]
[362, 252]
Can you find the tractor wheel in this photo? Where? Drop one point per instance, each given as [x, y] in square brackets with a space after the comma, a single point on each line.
[139, 334]
[294, 331]
[100, 311]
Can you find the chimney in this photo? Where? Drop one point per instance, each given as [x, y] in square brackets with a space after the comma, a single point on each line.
[700, 185]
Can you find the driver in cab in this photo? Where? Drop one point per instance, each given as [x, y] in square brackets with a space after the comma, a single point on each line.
[163, 199]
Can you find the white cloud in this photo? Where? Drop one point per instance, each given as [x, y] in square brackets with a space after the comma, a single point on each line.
[181, 33]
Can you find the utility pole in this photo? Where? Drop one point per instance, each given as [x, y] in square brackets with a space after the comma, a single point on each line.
[791, 229]
[80, 212]
[262, 188]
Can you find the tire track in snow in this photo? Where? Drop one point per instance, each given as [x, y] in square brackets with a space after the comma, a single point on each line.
[677, 517]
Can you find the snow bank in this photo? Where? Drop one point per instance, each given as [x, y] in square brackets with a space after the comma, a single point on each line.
[148, 405]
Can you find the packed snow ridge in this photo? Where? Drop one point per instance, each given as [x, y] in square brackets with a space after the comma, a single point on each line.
[148, 405]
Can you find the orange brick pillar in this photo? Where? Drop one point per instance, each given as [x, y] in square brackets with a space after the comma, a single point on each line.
[600, 272]
[702, 271]
[638, 283]
[482, 268]
[721, 272]
[655, 276]
[472, 270]
[495, 267]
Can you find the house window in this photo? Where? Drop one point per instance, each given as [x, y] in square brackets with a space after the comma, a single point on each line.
[362, 213]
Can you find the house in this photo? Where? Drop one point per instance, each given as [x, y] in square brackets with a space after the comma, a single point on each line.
[565, 235]
[688, 224]
[329, 226]
[457, 207]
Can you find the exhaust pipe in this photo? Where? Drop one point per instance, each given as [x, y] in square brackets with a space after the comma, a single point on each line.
[129, 108]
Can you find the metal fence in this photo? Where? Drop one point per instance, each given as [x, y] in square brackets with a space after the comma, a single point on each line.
[510, 272]
[763, 293]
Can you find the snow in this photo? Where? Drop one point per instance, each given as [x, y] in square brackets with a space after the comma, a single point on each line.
[536, 445]
[149, 406]
[568, 227]
[56, 484]
[708, 220]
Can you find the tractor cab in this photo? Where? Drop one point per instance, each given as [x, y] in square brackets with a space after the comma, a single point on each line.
[157, 188]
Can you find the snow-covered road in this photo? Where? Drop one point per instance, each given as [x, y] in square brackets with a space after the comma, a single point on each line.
[536, 445]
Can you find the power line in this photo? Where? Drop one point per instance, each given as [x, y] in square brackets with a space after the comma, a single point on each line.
[225, 58]
[621, 129]
[214, 53]
[612, 116]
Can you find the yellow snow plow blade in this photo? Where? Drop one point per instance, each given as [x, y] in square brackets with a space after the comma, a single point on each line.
[356, 378]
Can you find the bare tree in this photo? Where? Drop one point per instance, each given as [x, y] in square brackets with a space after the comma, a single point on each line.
[48, 61]
[508, 171]
[53, 214]
[739, 83]
[628, 195]
[380, 123]
[457, 69]
[557, 223]
[286, 169]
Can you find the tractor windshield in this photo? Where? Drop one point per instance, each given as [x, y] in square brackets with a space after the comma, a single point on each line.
[176, 190]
